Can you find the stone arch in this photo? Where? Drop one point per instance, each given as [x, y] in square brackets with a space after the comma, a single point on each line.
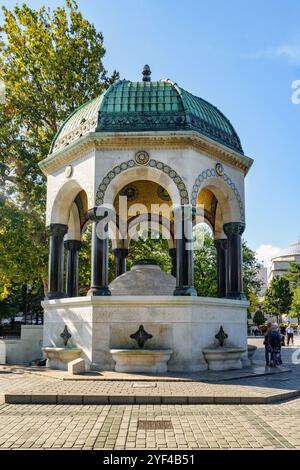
[74, 229]
[226, 192]
[129, 171]
[60, 205]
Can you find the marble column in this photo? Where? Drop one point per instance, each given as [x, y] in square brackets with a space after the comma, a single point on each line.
[99, 268]
[120, 259]
[234, 231]
[72, 249]
[172, 253]
[56, 261]
[221, 247]
[184, 251]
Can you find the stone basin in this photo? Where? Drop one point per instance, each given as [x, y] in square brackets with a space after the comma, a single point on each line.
[141, 360]
[223, 358]
[58, 358]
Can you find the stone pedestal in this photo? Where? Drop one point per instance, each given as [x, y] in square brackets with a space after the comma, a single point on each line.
[184, 324]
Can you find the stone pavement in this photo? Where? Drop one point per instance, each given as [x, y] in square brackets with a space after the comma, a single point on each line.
[116, 427]
[17, 386]
[121, 426]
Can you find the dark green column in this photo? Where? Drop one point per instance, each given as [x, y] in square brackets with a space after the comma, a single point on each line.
[221, 247]
[72, 248]
[120, 259]
[99, 269]
[234, 231]
[172, 253]
[184, 251]
[56, 261]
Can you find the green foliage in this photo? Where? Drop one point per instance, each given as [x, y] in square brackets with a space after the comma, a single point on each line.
[23, 248]
[205, 265]
[293, 275]
[278, 297]
[51, 62]
[259, 318]
[156, 249]
[295, 306]
[252, 284]
[253, 301]
[21, 299]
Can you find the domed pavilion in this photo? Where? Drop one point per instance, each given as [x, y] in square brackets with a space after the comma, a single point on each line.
[144, 155]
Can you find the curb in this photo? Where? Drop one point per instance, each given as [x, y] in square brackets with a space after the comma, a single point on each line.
[40, 399]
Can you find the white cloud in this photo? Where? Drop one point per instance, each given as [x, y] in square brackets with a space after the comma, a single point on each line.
[289, 51]
[265, 253]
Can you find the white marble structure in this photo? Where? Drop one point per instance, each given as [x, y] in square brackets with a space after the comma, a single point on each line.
[25, 349]
[153, 143]
[184, 324]
[281, 263]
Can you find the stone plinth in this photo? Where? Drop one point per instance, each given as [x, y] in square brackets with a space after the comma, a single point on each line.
[224, 358]
[76, 367]
[58, 358]
[186, 325]
[141, 360]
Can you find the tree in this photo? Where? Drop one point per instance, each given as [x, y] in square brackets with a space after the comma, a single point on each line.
[150, 248]
[278, 297]
[295, 306]
[23, 248]
[259, 318]
[205, 264]
[252, 284]
[293, 275]
[51, 62]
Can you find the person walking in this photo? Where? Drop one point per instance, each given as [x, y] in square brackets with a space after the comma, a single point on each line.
[290, 334]
[267, 353]
[274, 345]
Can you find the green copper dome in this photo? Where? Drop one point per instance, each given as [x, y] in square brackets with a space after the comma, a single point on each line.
[147, 106]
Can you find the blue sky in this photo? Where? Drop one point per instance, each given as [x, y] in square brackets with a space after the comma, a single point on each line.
[241, 56]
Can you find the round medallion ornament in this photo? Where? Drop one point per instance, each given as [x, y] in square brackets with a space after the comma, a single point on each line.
[130, 192]
[142, 157]
[68, 171]
[219, 169]
[163, 194]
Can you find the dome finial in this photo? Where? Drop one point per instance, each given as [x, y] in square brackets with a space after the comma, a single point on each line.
[146, 73]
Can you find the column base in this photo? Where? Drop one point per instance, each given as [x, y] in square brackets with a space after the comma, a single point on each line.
[185, 290]
[99, 291]
[56, 295]
[236, 296]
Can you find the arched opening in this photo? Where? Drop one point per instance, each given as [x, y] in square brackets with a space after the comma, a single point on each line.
[69, 215]
[222, 210]
[146, 210]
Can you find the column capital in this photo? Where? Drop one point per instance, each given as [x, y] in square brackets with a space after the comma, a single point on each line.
[57, 229]
[73, 245]
[234, 228]
[221, 243]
